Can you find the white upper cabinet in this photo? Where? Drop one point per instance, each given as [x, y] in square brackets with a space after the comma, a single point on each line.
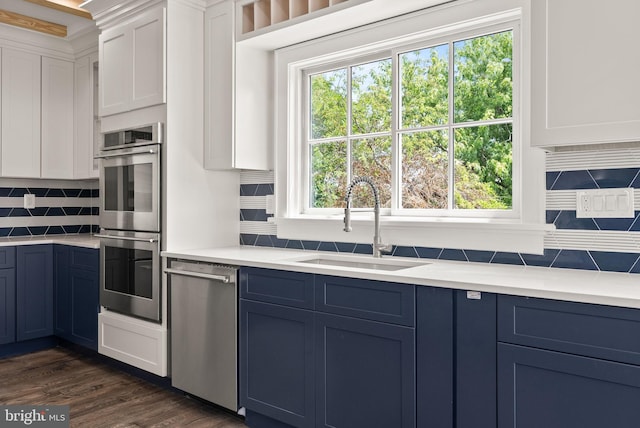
[20, 113]
[85, 114]
[238, 96]
[57, 119]
[132, 58]
[585, 62]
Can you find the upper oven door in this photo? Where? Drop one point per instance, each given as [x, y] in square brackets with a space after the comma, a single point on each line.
[130, 189]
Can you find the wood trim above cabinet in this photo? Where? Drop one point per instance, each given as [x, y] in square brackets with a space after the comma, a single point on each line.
[23, 21]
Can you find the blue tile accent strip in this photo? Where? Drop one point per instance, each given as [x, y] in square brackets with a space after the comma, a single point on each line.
[545, 260]
[256, 189]
[571, 180]
[615, 262]
[614, 178]
[574, 259]
[568, 220]
[254, 215]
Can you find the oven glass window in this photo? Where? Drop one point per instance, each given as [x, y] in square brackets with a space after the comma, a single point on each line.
[128, 271]
[128, 187]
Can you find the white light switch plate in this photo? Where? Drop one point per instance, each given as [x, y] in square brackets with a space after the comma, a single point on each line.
[29, 201]
[605, 203]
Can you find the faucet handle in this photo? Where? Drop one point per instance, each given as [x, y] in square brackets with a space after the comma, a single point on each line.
[347, 220]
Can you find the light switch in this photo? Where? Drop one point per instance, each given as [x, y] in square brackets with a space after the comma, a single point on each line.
[605, 203]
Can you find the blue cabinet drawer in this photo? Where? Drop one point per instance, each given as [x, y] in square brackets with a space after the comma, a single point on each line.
[280, 287]
[605, 332]
[7, 257]
[372, 300]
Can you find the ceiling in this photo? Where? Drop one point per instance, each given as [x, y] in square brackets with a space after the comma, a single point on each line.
[59, 18]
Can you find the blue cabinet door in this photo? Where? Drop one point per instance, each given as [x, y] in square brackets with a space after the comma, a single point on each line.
[476, 337]
[434, 357]
[7, 306]
[276, 362]
[34, 291]
[77, 288]
[365, 373]
[62, 292]
[540, 388]
[85, 288]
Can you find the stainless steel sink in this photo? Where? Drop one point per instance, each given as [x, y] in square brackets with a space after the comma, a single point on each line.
[388, 264]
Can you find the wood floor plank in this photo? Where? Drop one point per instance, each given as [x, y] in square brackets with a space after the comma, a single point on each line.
[100, 396]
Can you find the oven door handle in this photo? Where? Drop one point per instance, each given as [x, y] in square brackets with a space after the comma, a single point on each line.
[127, 238]
[119, 155]
[220, 278]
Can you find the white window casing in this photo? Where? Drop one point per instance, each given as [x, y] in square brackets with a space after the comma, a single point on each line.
[521, 229]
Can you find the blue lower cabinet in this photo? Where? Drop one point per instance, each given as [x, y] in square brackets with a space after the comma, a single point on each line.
[85, 288]
[475, 321]
[308, 362]
[365, 373]
[277, 362]
[77, 288]
[62, 291]
[434, 357]
[7, 306]
[541, 388]
[34, 291]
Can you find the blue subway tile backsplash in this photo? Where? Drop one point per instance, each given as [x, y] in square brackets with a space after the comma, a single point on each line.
[60, 209]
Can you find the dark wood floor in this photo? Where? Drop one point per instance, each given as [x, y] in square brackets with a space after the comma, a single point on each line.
[100, 395]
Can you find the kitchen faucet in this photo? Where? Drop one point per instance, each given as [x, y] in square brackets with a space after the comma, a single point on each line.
[378, 246]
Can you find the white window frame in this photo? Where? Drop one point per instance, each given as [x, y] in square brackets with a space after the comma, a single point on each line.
[522, 229]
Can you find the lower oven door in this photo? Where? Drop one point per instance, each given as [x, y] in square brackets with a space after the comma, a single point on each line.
[130, 273]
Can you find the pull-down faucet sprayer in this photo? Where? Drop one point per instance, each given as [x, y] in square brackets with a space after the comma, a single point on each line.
[378, 246]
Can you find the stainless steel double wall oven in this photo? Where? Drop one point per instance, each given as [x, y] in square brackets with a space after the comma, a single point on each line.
[130, 223]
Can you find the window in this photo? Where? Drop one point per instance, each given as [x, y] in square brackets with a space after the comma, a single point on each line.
[433, 107]
[436, 120]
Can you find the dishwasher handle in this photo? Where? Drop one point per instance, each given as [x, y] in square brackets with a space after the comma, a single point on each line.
[220, 278]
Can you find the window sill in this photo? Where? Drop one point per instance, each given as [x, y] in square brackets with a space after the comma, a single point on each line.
[468, 234]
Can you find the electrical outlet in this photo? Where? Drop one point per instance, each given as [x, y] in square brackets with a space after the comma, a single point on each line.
[270, 204]
[605, 203]
[29, 201]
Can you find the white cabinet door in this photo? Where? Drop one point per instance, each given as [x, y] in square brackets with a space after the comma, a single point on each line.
[115, 70]
[585, 62]
[149, 69]
[20, 113]
[219, 87]
[132, 64]
[238, 96]
[57, 119]
[85, 117]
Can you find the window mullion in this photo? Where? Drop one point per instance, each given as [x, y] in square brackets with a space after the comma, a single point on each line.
[396, 149]
[451, 152]
[348, 160]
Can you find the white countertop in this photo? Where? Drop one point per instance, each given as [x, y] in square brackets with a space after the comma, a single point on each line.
[83, 240]
[608, 288]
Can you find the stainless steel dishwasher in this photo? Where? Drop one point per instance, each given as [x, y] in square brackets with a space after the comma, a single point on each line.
[203, 301]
